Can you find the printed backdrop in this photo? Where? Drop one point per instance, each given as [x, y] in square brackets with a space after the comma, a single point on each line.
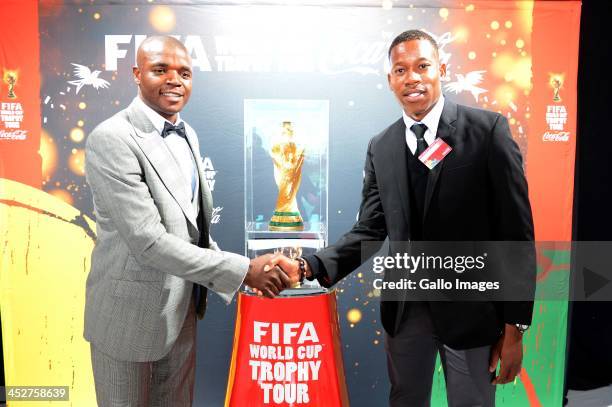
[66, 66]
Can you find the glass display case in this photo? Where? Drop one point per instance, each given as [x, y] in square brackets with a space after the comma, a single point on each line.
[286, 174]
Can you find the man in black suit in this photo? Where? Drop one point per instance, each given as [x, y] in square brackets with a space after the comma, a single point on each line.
[476, 193]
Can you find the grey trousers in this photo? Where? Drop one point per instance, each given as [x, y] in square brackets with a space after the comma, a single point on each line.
[411, 357]
[167, 382]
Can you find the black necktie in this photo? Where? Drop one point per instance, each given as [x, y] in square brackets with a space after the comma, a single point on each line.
[168, 128]
[419, 130]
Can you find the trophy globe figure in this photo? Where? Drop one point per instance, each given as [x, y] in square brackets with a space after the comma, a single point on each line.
[288, 159]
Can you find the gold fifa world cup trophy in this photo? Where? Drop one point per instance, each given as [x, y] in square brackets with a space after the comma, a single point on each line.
[556, 82]
[288, 159]
[10, 78]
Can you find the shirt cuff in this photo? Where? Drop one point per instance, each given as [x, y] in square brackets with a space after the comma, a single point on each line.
[318, 270]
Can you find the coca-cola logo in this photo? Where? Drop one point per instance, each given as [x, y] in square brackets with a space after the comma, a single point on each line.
[216, 215]
[362, 57]
[13, 134]
[556, 136]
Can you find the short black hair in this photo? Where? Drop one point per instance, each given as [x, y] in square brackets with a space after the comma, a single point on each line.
[413, 35]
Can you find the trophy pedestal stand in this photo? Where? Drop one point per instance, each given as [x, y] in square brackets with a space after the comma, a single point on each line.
[287, 352]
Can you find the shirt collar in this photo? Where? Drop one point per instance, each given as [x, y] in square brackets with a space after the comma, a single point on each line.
[156, 119]
[431, 119]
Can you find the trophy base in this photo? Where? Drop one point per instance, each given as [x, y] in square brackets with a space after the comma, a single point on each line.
[286, 228]
[286, 221]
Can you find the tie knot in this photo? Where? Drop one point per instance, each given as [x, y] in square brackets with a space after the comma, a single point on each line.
[418, 129]
[169, 128]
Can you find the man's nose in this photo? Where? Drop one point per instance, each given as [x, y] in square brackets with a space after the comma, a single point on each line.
[412, 77]
[172, 77]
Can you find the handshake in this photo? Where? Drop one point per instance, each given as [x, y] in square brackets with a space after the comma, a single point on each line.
[270, 274]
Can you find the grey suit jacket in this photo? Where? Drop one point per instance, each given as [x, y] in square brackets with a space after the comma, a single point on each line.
[146, 256]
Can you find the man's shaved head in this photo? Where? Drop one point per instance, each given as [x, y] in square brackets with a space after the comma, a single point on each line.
[157, 43]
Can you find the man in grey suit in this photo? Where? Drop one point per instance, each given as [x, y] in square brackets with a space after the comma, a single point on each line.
[154, 259]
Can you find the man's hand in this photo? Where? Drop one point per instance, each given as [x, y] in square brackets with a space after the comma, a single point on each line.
[264, 278]
[289, 266]
[508, 349]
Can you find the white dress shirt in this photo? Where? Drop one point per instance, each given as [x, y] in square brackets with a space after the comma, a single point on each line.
[178, 146]
[430, 120]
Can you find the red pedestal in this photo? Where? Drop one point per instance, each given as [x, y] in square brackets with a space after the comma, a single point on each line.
[287, 352]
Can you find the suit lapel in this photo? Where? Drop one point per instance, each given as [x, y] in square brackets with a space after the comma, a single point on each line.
[400, 166]
[161, 159]
[445, 131]
[206, 201]
[204, 214]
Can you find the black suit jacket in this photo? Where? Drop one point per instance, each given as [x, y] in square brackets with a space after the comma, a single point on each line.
[477, 193]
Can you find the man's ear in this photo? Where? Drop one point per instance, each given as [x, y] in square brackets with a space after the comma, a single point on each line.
[136, 73]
